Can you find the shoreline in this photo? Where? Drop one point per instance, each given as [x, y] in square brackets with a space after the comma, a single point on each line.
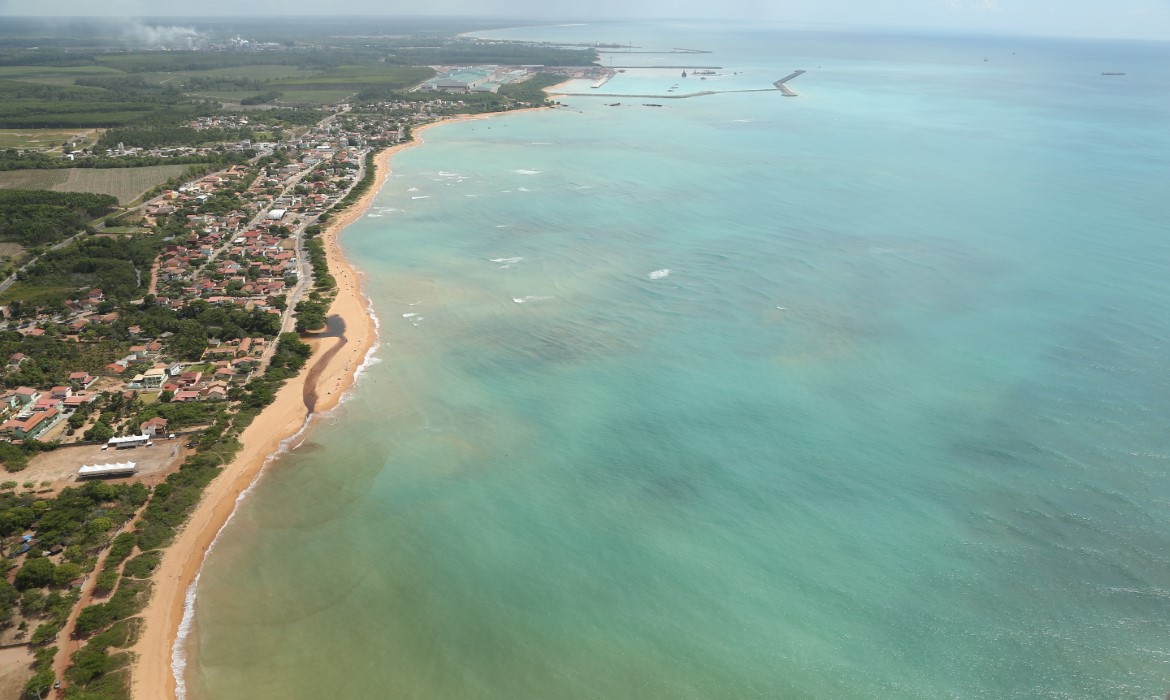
[334, 366]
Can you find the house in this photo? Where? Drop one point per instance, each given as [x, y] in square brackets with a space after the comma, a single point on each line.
[47, 402]
[81, 379]
[187, 379]
[155, 427]
[153, 378]
[16, 358]
[26, 395]
[61, 392]
[186, 395]
[32, 427]
[78, 400]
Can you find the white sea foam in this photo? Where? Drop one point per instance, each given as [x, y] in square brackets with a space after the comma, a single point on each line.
[542, 143]
[526, 172]
[411, 315]
[369, 360]
[503, 225]
[659, 274]
[507, 261]
[413, 189]
[471, 195]
[421, 196]
[525, 300]
[523, 189]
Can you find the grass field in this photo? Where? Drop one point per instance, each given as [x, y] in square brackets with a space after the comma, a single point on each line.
[42, 139]
[127, 184]
[40, 296]
[54, 75]
[314, 97]
[261, 72]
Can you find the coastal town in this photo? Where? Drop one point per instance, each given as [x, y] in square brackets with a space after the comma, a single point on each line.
[130, 393]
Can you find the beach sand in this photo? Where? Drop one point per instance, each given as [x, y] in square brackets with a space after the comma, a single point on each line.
[332, 373]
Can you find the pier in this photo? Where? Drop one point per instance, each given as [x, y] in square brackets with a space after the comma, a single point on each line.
[784, 89]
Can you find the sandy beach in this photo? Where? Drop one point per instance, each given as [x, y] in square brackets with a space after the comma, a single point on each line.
[331, 369]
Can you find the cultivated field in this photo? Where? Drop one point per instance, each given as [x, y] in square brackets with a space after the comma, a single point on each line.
[32, 179]
[10, 249]
[127, 184]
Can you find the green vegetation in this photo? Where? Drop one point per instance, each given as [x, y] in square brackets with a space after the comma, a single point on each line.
[64, 536]
[262, 99]
[532, 90]
[113, 265]
[37, 217]
[43, 106]
[311, 315]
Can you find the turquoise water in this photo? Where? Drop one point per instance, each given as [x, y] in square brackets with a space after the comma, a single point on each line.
[858, 394]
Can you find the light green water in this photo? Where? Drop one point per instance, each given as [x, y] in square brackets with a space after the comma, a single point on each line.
[893, 424]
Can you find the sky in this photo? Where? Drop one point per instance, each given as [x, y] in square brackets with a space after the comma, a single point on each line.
[1086, 18]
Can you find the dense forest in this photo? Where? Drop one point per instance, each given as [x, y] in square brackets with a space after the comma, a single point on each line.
[38, 217]
[11, 159]
[115, 265]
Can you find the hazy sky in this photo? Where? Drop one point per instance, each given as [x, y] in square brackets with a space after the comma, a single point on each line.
[1116, 18]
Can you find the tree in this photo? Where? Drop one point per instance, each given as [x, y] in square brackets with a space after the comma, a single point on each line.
[40, 683]
[36, 573]
[65, 573]
[101, 432]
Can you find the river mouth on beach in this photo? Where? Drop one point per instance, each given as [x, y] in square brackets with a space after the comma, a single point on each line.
[842, 395]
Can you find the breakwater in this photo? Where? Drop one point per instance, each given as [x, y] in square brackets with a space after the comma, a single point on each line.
[783, 88]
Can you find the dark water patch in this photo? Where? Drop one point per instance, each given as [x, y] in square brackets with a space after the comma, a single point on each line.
[334, 328]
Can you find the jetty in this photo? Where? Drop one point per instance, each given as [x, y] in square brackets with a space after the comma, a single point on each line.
[784, 89]
[603, 81]
[674, 67]
[672, 51]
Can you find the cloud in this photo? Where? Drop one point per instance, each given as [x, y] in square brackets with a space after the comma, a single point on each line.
[157, 35]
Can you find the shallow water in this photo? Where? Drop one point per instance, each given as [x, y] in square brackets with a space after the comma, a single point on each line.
[857, 394]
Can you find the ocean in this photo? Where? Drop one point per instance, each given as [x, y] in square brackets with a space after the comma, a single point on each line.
[863, 393]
